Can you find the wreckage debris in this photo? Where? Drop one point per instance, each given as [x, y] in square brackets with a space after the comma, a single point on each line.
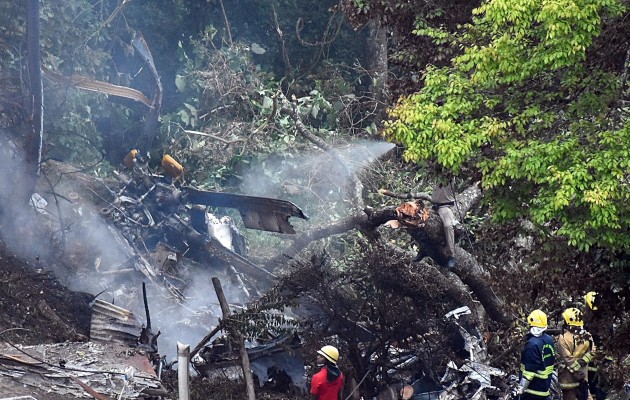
[277, 364]
[113, 324]
[120, 360]
[108, 369]
[472, 379]
[172, 167]
[153, 213]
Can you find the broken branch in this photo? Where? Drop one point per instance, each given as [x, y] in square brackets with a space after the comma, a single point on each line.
[206, 339]
[220, 139]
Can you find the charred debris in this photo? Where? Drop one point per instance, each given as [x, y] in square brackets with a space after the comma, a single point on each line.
[164, 226]
[163, 234]
[163, 221]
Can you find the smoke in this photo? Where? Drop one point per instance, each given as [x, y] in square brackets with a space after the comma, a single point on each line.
[15, 215]
[62, 232]
[69, 236]
[314, 182]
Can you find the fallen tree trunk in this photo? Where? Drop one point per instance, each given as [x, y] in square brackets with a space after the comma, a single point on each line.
[430, 235]
[407, 280]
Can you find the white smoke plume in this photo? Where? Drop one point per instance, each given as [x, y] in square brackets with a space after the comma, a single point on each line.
[61, 231]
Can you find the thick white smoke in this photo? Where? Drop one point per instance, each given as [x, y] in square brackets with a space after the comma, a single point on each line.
[66, 234]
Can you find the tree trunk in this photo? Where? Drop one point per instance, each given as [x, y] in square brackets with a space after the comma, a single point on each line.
[34, 139]
[379, 67]
[431, 237]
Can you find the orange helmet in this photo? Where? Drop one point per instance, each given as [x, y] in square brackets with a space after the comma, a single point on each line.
[130, 158]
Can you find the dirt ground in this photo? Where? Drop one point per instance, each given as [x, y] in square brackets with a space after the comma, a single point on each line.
[35, 308]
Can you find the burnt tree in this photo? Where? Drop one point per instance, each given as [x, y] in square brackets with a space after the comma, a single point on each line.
[36, 97]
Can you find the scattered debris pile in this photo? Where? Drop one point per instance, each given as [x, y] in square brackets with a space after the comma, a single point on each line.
[473, 379]
[154, 229]
[75, 370]
[277, 364]
[119, 360]
[157, 222]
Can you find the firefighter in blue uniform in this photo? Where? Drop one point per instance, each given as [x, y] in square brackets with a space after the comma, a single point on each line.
[537, 360]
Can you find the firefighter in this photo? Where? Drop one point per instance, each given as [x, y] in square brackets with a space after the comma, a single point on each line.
[443, 201]
[537, 360]
[597, 381]
[575, 347]
[327, 384]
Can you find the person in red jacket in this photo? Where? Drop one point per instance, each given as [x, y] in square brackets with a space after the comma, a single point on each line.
[327, 384]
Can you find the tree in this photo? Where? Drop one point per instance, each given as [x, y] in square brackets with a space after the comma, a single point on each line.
[34, 139]
[407, 53]
[534, 106]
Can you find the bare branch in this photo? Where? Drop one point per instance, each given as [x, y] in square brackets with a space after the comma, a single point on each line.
[285, 52]
[220, 139]
[357, 197]
[227, 23]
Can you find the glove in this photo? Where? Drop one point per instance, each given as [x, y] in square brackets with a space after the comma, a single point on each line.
[577, 365]
[520, 389]
[517, 391]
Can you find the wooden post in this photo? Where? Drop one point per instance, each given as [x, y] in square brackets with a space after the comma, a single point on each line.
[247, 370]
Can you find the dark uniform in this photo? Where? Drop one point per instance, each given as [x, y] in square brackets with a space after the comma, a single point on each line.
[443, 201]
[537, 363]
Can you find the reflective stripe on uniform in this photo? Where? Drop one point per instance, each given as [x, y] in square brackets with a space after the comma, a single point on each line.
[537, 392]
[529, 375]
[566, 385]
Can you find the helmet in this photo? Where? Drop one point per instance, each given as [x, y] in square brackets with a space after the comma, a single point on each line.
[537, 318]
[330, 353]
[573, 317]
[590, 298]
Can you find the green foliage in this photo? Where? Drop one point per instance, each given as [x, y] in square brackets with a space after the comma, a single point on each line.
[524, 108]
[422, 30]
[235, 109]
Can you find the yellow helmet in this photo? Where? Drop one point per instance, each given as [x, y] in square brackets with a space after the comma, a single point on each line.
[573, 317]
[538, 319]
[330, 353]
[590, 300]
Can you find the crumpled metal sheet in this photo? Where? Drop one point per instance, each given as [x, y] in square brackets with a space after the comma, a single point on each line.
[109, 369]
[474, 370]
[113, 324]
